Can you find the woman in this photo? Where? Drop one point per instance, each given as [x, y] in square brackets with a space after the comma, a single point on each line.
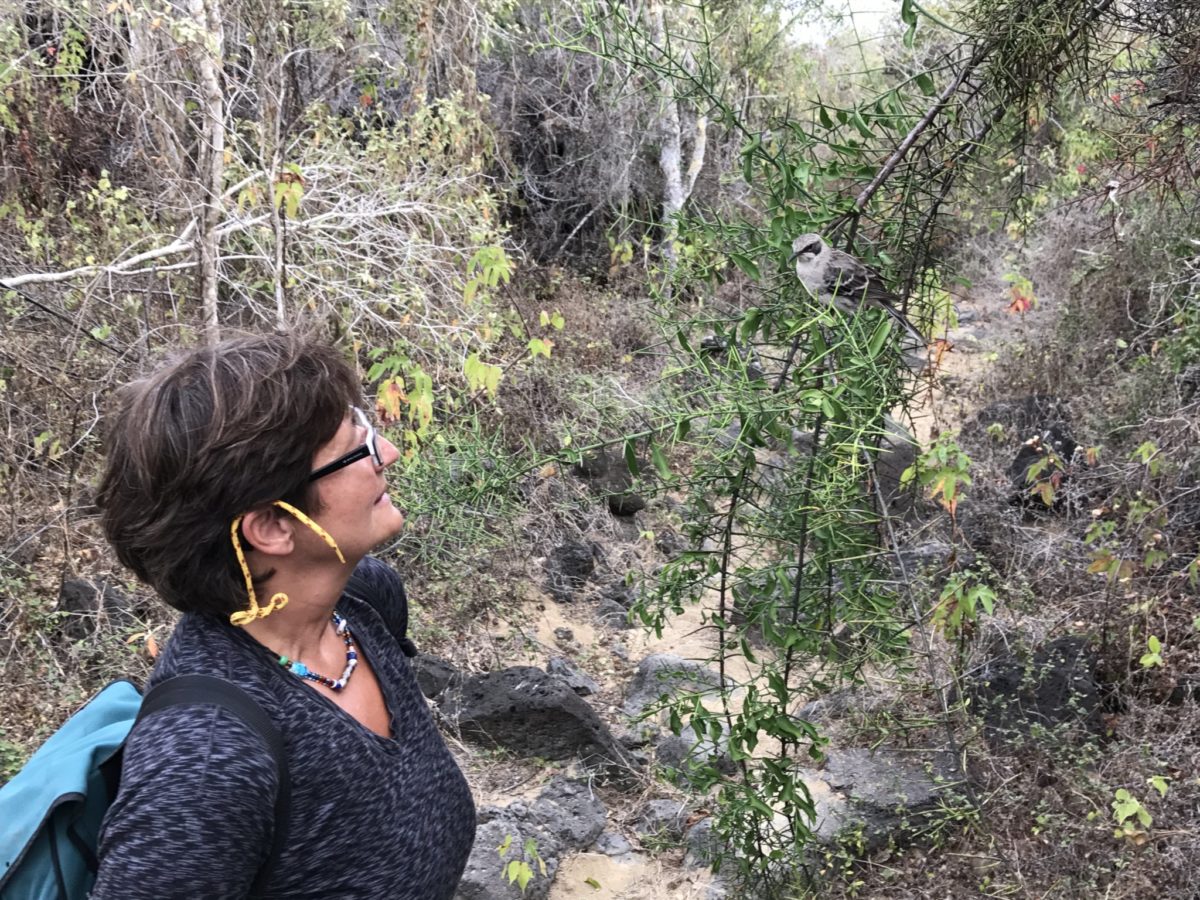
[245, 484]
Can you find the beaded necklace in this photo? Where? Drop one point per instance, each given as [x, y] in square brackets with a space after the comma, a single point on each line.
[301, 670]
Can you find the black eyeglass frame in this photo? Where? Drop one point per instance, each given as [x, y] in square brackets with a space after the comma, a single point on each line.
[369, 448]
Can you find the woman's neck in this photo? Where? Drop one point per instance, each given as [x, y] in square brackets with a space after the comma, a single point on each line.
[301, 629]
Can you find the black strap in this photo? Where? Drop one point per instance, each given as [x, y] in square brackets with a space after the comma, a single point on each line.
[59, 879]
[184, 690]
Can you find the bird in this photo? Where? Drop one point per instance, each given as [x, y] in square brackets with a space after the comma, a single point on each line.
[837, 278]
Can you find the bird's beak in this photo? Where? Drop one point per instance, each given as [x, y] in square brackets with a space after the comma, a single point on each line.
[793, 256]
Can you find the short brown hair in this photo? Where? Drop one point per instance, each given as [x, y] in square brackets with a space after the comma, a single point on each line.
[212, 434]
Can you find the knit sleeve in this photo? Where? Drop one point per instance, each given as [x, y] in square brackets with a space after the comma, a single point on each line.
[194, 815]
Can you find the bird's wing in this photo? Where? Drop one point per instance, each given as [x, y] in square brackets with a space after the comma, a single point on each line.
[845, 276]
[850, 279]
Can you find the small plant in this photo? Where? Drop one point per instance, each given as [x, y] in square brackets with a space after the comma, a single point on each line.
[519, 870]
[12, 756]
[1148, 455]
[1153, 656]
[944, 470]
[1129, 815]
[958, 606]
[486, 269]
[1023, 298]
[1045, 477]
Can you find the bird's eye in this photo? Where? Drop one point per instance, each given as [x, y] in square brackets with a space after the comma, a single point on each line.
[814, 248]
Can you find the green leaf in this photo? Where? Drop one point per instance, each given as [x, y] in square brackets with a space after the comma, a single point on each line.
[1159, 784]
[925, 83]
[988, 599]
[748, 152]
[908, 15]
[631, 457]
[823, 117]
[292, 200]
[746, 264]
[503, 848]
[1124, 806]
[750, 323]
[748, 653]
[682, 427]
[875, 345]
[861, 124]
[524, 876]
[592, 883]
[481, 375]
[660, 461]
[786, 727]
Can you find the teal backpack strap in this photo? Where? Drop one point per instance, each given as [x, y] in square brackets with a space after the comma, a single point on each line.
[183, 690]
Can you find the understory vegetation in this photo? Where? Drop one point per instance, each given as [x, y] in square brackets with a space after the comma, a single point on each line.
[549, 231]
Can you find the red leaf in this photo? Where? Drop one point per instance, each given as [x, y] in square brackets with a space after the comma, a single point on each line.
[1021, 302]
[388, 401]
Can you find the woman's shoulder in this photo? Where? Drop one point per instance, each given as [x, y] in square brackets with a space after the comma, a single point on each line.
[378, 586]
[205, 646]
[372, 576]
[198, 645]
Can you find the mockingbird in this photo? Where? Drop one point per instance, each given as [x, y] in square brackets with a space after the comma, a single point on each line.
[837, 278]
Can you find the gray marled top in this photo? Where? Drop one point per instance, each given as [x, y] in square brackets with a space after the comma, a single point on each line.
[371, 817]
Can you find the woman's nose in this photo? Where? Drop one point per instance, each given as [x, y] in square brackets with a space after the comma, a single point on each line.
[387, 450]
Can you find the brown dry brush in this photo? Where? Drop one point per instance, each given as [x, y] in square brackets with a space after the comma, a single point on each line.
[1049, 811]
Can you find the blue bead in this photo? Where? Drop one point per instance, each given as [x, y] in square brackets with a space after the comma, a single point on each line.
[300, 669]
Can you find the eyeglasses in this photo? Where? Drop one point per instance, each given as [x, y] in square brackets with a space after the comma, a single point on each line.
[370, 448]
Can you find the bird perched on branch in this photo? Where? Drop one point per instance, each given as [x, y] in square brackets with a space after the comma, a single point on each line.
[837, 278]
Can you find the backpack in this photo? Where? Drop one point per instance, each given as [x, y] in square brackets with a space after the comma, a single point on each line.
[51, 810]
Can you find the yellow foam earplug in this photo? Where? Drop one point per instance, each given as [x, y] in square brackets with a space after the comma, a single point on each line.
[278, 600]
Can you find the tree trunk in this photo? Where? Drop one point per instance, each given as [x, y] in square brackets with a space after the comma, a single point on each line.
[208, 53]
[677, 185]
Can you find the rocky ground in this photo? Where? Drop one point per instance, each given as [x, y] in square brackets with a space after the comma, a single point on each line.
[560, 755]
[542, 696]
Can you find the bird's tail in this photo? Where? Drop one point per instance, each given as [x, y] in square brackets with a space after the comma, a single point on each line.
[905, 324]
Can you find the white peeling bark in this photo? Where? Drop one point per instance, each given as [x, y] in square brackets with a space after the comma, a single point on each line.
[677, 184]
[208, 53]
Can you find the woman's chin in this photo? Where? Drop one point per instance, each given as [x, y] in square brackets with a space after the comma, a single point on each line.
[394, 516]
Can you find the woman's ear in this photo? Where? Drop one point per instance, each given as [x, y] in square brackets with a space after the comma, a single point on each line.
[269, 531]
